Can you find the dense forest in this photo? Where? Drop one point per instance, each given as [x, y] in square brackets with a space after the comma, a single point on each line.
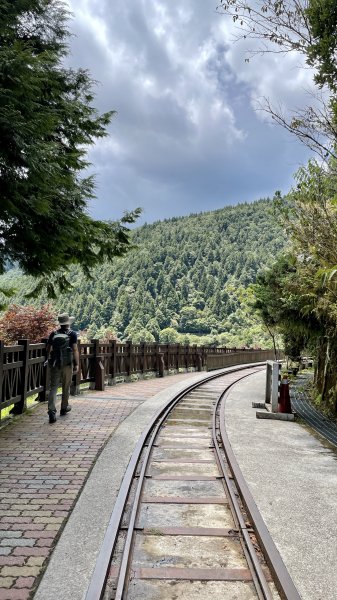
[187, 279]
[297, 296]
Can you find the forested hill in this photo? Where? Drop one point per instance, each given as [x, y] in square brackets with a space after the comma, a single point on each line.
[186, 279]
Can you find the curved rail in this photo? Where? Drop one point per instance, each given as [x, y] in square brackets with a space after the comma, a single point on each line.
[284, 583]
[143, 449]
[259, 578]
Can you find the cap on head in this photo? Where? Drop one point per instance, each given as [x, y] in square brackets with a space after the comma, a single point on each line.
[64, 319]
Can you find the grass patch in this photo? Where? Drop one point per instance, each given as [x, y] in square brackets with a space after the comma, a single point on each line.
[5, 413]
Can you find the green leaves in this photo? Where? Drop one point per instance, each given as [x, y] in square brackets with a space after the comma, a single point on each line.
[6, 293]
[47, 123]
[322, 16]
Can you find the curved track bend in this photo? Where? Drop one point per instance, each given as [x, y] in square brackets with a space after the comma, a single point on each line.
[185, 524]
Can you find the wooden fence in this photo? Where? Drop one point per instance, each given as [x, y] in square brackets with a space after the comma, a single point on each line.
[23, 374]
[239, 357]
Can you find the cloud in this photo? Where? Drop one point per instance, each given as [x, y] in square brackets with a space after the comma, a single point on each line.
[284, 79]
[186, 137]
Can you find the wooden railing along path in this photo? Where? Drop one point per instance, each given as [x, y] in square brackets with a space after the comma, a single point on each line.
[23, 374]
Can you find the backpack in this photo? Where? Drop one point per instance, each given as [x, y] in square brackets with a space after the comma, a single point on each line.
[62, 355]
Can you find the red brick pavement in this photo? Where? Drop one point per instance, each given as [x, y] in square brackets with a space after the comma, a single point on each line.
[43, 469]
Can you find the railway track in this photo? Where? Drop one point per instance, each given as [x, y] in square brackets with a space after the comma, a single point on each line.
[185, 524]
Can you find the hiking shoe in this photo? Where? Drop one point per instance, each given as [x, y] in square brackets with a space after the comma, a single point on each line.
[64, 411]
[52, 417]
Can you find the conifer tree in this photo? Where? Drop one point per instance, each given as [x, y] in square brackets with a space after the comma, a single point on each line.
[47, 122]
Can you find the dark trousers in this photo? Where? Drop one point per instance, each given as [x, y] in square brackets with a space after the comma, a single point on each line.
[59, 376]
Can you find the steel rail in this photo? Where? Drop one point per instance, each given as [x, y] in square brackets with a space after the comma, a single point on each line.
[259, 579]
[123, 572]
[283, 581]
[135, 508]
[96, 587]
[98, 580]
[100, 574]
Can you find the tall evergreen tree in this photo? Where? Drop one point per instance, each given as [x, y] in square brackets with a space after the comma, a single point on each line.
[47, 122]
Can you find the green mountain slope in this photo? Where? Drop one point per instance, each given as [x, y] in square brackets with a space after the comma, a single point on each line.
[186, 280]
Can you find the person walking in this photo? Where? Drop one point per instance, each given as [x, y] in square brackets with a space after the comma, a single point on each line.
[63, 358]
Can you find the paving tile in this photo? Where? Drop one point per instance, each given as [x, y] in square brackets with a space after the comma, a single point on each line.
[39, 534]
[34, 561]
[17, 519]
[11, 560]
[15, 571]
[44, 543]
[30, 551]
[37, 513]
[7, 495]
[6, 582]
[14, 594]
[25, 526]
[15, 542]
[47, 520]
[24, 582]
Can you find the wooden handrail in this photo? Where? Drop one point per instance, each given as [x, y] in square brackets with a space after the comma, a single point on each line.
[22, 370]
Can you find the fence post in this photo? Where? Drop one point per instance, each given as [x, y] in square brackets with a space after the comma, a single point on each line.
[113, 362]
[195, 357]
[98, 368]
[99, 375]
[1, 372]
[20, 406]
[176, 358]
[160, 366]
[179, 353]
[187, 349]
[92, 363]
[76, 379]
[129, 360]
[43, 396]
[143, 357]
[204, 358]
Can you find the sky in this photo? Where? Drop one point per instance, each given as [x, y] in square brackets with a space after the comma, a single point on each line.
[187, 136]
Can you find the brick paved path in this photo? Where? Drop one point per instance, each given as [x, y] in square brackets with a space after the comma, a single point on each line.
[43, 469]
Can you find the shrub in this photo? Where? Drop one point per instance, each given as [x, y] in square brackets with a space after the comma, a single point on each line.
[27, 322]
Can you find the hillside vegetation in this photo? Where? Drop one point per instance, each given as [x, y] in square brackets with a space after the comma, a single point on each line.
[186, 280]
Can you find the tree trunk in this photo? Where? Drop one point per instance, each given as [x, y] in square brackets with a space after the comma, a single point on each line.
[272, 335]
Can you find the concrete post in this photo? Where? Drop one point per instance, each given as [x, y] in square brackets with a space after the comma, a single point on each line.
[272, 384]
[275, 386]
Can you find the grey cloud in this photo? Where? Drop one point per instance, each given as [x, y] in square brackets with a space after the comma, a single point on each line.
[185, 138]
